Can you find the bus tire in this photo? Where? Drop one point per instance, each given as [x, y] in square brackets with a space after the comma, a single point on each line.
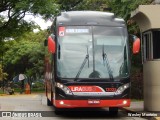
[113, 110]
[58, 111]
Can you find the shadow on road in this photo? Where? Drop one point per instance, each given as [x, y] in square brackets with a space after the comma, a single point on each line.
[93, 113]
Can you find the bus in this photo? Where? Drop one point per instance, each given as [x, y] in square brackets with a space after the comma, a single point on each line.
[88, 61]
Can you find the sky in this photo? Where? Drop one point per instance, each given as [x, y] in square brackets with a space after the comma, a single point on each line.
[38, 20]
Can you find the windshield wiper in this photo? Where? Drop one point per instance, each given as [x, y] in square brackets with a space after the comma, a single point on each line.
[82, 66]
[105, 60]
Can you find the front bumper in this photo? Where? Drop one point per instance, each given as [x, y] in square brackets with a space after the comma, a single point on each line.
[85, 103]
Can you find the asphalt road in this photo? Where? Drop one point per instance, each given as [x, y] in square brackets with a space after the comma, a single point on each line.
[34, 107]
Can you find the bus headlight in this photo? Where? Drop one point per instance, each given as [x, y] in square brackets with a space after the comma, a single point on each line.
[64, 88]
[122, 88]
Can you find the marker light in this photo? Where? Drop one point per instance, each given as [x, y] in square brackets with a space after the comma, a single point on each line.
[124, 102]
[61, 102]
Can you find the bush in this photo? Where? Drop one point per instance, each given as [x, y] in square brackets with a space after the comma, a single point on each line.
[37, 85]
[136, 83]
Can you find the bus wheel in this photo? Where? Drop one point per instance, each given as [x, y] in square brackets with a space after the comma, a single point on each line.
[58, 111]
[49, 103]
[113, 110]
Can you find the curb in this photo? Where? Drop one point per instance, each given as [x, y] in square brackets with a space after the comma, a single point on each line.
[128, 110]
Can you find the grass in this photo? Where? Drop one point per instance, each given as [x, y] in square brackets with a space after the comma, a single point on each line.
[37, 90]
[1, 91]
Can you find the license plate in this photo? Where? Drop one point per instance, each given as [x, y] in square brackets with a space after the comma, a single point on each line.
[93, 101]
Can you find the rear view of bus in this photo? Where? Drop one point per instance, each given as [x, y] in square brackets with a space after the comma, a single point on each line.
[90, 64]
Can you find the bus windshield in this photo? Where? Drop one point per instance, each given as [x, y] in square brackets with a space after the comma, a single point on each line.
[92, 52]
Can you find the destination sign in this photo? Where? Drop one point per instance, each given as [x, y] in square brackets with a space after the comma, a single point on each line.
[77, 30]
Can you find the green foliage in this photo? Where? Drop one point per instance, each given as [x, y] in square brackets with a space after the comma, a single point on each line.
[136, 83]
[12, 13]
[38, 85]
[3, 75]
[123, 8]
[26, 55]
[91, 5]
[66, 5]
[1, 92]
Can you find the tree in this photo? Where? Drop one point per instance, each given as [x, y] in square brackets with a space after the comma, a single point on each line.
[123, 8]
[3, 75]
[67, 5]
[25, 55]
[91, 5]
[12, 13]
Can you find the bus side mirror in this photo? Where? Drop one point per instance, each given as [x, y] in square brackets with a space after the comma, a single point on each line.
[51, 44]
[136, 44]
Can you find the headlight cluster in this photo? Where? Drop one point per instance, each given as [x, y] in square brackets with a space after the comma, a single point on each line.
[122, 88]
[64, 88]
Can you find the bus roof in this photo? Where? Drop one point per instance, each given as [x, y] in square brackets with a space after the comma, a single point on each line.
[89, 18]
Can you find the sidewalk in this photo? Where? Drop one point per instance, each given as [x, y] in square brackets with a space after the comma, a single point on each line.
[138, 107]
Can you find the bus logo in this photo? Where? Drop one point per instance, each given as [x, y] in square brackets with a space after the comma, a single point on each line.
[86, 89]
